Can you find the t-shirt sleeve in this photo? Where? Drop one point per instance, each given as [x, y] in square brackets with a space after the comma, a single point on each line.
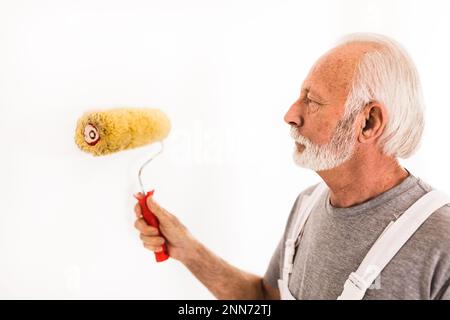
[273, 270]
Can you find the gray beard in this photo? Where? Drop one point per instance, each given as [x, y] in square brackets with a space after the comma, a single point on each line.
[331, 155]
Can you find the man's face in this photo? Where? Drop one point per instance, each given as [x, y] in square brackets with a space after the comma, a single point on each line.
[324, 139]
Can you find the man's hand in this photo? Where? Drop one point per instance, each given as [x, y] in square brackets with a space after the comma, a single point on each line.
[222, 279]
[180, 243]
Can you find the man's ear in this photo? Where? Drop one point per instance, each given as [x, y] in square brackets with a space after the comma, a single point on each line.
[373, 122]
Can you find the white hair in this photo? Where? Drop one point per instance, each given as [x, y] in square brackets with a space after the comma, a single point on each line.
[388, 75]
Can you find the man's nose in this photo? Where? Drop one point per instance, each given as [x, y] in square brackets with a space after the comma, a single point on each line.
[293, 117]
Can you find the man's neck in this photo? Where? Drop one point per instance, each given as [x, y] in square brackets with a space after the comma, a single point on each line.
[358, 181]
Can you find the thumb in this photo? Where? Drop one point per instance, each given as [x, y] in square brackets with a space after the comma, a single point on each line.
[157, 210]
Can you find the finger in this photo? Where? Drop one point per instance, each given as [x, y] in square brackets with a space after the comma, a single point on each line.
[159, 212]
[144, 228]
[152, 248]
[137, 210]
[152, 240]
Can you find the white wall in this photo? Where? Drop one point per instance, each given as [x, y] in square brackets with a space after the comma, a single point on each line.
[225, 72]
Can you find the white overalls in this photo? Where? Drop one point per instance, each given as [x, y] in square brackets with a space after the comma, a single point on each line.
[387, 245]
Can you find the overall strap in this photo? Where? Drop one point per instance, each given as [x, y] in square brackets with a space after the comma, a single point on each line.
[303, 211]
[392, 239]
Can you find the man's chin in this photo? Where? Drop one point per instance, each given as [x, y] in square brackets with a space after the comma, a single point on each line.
[299, 159]
[303, 160]
[308, 166]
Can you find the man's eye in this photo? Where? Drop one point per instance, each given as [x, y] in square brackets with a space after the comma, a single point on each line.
[312, 105]
[309, 101]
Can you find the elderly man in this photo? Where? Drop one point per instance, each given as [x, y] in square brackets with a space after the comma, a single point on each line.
[371, 229]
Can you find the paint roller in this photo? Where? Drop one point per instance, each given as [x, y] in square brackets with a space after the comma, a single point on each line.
[109, 131]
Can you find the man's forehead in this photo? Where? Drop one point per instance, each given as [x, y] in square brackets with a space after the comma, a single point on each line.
[331, 77]
[333, 73]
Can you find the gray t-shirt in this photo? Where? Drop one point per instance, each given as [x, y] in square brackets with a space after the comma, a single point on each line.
[336, 240]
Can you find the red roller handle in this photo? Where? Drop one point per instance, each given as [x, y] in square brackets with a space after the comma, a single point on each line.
[151, 219]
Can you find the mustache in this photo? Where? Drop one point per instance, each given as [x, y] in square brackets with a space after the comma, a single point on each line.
[295, 134]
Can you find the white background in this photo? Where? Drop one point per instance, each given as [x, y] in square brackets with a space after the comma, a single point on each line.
[225, 72]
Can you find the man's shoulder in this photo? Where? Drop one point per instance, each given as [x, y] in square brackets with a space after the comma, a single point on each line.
[310, 189]
[306, 192]
[436, 229]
